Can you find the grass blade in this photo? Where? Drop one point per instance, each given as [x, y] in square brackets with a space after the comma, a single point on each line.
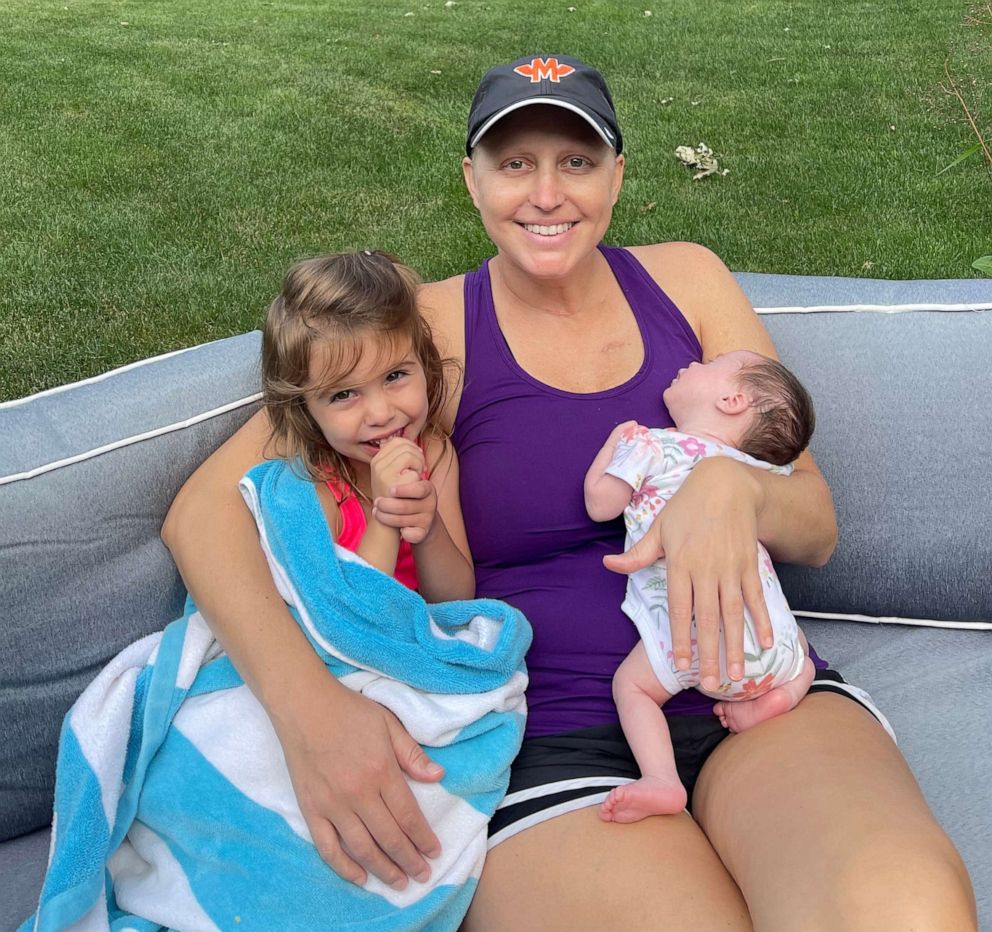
[967, 154]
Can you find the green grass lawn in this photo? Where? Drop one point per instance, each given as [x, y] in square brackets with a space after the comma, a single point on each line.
[163, 161]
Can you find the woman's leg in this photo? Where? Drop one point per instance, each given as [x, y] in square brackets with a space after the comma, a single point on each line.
[577, 872]
[819, 820]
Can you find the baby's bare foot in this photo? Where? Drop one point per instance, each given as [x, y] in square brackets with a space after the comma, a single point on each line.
[740, 716]
[648, 796]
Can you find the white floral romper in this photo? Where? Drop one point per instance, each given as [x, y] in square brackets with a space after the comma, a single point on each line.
[655, 463]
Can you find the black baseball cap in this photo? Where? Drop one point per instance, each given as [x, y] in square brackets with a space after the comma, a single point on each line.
[557, 80]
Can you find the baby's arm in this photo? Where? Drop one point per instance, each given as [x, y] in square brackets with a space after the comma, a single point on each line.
[606, 495]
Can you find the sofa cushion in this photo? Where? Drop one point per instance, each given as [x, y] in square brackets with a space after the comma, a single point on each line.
[894, 369]
[22, 873]
[86, 475]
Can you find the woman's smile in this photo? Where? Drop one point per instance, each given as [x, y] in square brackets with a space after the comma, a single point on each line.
[548, 230]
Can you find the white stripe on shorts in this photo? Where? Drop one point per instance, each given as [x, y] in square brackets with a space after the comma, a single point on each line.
[571, 805]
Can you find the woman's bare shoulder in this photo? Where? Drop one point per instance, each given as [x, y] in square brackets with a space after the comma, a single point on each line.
[439, 452]
[707, 294]
[443, 306]
[439, 301]
[674, 265]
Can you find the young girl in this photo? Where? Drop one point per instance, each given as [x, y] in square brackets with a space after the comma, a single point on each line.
[354, 388]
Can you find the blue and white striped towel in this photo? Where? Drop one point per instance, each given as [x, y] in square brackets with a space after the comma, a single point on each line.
[173, 805]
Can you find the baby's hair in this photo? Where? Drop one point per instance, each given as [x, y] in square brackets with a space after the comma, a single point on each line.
[784, 418]
[336, 300]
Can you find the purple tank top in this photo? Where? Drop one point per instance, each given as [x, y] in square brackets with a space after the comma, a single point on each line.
[524, 448]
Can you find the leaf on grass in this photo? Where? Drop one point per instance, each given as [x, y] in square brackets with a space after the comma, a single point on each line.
[967, 154]
[700, 157]
[983, 265]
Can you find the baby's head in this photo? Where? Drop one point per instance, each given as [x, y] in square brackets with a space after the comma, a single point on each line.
[337, 318]
[764, 408]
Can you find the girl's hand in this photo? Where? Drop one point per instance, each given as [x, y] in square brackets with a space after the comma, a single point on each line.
[708, 535]
[410, 505]
[398, 460]
[347, 770]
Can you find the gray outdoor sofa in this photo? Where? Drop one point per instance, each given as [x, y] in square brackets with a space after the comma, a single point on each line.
[900, 375]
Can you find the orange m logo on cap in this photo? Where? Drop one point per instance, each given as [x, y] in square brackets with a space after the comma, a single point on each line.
[549, 68]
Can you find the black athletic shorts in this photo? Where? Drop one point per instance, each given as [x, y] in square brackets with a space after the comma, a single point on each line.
[556, 774]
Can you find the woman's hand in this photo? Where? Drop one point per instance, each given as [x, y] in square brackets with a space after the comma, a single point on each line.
[707, 534]
[347, 770]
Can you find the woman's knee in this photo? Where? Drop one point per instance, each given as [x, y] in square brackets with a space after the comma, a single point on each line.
[820, 821]
[908, 880]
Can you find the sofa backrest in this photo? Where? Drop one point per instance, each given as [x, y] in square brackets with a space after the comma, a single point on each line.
[899, 374]
[87, 472]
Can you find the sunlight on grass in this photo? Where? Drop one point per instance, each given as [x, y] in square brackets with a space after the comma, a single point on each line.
[156, 178]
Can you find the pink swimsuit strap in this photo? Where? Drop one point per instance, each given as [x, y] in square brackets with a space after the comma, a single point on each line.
[353, 525]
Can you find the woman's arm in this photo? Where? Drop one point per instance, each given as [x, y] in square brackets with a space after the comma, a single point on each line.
[346, 755]
[708, 530]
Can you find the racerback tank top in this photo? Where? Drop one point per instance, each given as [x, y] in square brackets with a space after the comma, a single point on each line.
[524, 448]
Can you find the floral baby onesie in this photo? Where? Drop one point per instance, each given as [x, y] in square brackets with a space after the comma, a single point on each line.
[655, 463]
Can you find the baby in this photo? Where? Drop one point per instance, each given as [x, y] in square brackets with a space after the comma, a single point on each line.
[748, 407]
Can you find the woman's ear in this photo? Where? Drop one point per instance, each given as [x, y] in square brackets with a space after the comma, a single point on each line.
[618, 178]
[468, 173]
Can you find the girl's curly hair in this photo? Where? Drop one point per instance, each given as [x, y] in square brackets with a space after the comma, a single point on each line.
[336, 300]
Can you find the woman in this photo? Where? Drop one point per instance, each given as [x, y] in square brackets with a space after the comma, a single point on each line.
[812, 820]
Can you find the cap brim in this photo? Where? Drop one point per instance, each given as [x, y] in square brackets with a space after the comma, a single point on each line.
[601, 131]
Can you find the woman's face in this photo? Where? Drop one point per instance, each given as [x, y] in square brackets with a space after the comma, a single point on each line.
[545, 185]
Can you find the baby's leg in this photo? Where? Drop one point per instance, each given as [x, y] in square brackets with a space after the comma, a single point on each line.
[639, 697]
[744, 714]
